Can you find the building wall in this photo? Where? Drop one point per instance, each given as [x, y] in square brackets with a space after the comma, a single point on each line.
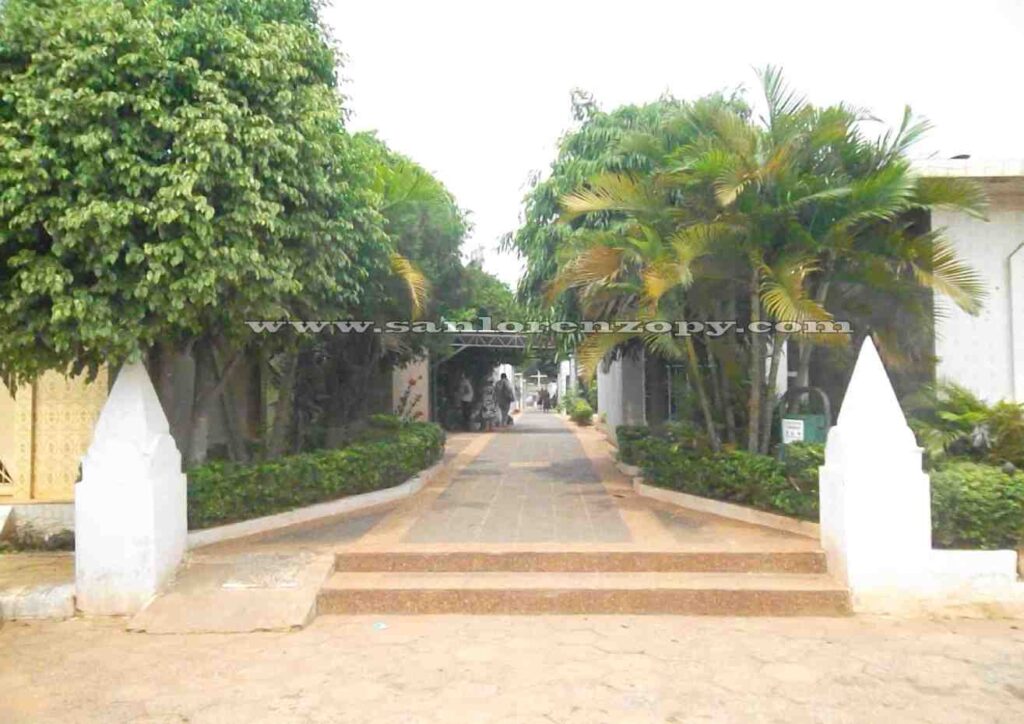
[986, 353]
[415, 375]
[566, 376]
[620, 392]
[47, 427]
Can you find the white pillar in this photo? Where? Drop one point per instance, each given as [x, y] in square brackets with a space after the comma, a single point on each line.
[130, 512]
[875, 498]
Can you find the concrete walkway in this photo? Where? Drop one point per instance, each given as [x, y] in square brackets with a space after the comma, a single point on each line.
[545, 484]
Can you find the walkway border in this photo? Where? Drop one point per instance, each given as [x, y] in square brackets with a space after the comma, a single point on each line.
[720, 508]
[349, 504]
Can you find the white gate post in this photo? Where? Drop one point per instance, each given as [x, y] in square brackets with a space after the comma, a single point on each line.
[875, 497]
[130, 513]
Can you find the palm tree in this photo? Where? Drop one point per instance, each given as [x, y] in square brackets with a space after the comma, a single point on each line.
[761, 216]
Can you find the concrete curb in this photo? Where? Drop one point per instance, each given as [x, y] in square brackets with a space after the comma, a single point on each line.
[350, 504]
[721, 509]
[55, 601]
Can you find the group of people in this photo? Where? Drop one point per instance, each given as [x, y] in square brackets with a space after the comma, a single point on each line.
[495, 402]
[547, 399]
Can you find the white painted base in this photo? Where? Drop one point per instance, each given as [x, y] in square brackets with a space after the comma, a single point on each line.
[130, 533]
[40, 518]
[974, 584]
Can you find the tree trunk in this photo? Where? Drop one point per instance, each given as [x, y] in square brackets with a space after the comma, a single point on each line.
[756, 368]
[768, 404]
[717, 408]
[162, 367]
[278, 439]
[233, 426]
[804, 347]
[702, 395]
[730, 413]
[202, 398]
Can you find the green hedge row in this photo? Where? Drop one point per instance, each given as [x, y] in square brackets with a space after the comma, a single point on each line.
[977, 506]
[973, 505]
[385, 454]
[736, 476]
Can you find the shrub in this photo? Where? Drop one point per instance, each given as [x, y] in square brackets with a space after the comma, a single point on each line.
[977, 506]
[221, 492]
[628, 437]
[736, 476]
[951, 422]
[973, 505]
[581, 412]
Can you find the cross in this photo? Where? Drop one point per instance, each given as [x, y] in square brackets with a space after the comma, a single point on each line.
[539, 377]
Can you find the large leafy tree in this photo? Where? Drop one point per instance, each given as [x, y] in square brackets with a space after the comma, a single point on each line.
[169, 169]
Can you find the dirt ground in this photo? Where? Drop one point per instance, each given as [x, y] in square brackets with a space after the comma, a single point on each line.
[519, 669]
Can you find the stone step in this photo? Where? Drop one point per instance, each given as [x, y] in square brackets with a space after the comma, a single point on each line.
[694, 594]
[811, 561]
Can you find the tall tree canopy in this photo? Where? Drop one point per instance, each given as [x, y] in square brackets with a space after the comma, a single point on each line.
[704, 211]
[169, 169]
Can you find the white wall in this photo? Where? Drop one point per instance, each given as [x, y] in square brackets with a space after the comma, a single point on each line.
[620, 393]
[978, 352]
[418, 373]
[566, 368]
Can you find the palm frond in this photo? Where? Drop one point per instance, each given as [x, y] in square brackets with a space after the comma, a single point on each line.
[593, 349]
[961, 194]
[415, 282]
[950, 275]
[784, 294]
[607, 192]
[591, 265]
[781, 99]
[895, 145]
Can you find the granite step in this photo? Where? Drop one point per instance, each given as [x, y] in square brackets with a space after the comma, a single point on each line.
[809, 561]
[504, 593]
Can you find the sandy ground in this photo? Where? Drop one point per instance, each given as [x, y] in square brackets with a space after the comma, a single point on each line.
[519, 669]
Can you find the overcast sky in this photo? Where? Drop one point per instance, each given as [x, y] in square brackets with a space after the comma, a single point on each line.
[478, 92]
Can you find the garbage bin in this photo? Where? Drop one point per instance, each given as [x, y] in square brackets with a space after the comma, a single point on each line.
[808, 426]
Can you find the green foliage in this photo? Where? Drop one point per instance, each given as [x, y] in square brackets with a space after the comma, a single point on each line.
[581, 412]
[701, 210]
[973, 505]
[389, 452]
[951, 422]
[977, 506]
[737, 476]
[169, 168]
[630, 439]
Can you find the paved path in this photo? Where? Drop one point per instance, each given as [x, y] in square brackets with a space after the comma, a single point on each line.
[547, 484]
[532, 483]
[455, 669]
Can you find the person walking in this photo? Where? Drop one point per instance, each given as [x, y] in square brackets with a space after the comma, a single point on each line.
[466, 401]
[505, 395]
[489, 414]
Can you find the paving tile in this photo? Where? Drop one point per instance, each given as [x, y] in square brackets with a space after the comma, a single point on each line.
[533, 483]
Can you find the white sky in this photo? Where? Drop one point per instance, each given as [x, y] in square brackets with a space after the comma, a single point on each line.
[478, 92]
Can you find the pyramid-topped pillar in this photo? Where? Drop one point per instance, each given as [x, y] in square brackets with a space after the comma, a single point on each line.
[875, 498]
[130, 512]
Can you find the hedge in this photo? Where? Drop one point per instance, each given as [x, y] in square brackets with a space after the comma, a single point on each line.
[977, 506]
[736, 476]
[385, 454]
[973, 505]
